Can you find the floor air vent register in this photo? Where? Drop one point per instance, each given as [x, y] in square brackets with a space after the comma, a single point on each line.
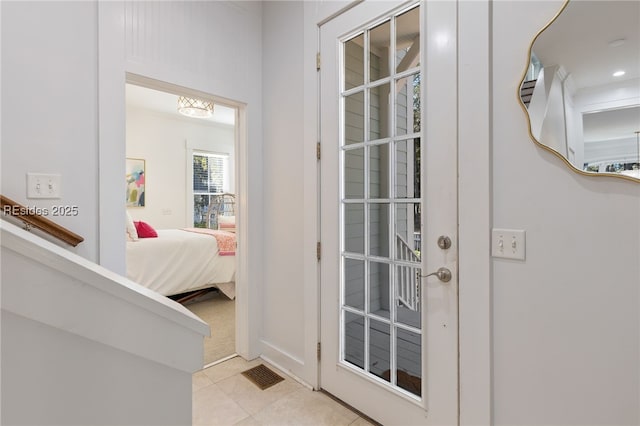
[262, 376]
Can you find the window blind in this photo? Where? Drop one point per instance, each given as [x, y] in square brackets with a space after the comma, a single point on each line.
[208, 173]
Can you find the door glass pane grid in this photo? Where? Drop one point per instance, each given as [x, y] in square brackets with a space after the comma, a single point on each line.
[380, 349]
[407, 42]
[408, 295]
[407, 159]
[353, 341]
[354, 62]
[379, 38]
[382, 323]
[353, 174]
[408, 104]
[354, 287]
[378, 171]
[354, 113]
[379, 109]
[367, 333]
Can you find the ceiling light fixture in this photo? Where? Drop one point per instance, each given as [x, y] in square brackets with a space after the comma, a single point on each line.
[617, 42]
[618, 73]
[192, 107]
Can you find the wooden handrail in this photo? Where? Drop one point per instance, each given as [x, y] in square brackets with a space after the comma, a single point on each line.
[32, 218]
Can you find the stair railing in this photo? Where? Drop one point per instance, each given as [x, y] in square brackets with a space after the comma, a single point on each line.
[408, 283]
[33, 219]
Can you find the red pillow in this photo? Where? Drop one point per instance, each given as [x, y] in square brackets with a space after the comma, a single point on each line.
[145, 230]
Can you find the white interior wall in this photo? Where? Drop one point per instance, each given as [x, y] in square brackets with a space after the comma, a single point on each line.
[49, 108]
[161, 140]
[553, 131]
[565, 332]
[291, 211]
[575, 134]
[538, 105]
[283, 108]
[52, 54]
[565, 321]
[206, 47]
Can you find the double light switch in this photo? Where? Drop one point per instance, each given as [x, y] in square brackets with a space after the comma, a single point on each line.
[508, 243]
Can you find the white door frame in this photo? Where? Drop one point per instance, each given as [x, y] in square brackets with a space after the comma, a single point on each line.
[112, 152]
[112, 71]
[240, 170]
[474, 199]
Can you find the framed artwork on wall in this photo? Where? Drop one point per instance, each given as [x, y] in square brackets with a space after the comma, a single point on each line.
[135, 182]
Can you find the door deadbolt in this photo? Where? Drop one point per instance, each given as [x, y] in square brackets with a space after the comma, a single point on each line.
[443, 274]
[444, 242]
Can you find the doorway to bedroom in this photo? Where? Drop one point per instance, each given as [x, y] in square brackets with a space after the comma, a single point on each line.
[181, 204]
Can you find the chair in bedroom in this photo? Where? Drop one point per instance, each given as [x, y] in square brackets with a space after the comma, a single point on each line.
[222, 211]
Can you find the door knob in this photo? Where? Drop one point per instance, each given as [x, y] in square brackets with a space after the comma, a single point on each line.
[443, 274]
[444, 242]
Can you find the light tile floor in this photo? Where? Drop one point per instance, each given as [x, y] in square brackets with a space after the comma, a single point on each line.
[223, 396]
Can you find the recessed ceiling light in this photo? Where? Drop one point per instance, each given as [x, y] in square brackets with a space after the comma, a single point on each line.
[618, 73]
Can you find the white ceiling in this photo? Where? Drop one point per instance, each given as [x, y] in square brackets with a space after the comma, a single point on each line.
[592, 40]
[580, 41]
[157, 101]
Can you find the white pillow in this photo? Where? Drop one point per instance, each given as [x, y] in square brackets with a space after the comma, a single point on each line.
[132, 234]
[227, 223]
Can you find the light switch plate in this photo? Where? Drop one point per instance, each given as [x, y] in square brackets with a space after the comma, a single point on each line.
[40, 185]
[508, 243]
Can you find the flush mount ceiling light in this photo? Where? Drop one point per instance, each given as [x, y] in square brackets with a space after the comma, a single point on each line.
[192, 107]
[617, 42]
[618, 73]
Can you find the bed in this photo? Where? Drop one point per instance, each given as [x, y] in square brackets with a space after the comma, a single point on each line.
[182, 260]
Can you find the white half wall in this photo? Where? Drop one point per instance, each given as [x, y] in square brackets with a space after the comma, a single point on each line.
[102, 385]
[82, 345]
[565, 321]
[161, 140]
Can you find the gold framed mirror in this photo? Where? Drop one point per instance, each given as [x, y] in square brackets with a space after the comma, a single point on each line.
[580, 89]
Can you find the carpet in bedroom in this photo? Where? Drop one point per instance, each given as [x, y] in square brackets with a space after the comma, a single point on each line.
[219, 312]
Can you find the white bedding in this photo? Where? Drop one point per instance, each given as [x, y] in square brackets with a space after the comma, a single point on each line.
[179, 261]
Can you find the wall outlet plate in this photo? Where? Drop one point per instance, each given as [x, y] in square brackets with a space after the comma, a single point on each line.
[508, 243]
[41, 185]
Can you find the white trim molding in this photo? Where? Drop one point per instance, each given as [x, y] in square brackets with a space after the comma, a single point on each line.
[474, 214]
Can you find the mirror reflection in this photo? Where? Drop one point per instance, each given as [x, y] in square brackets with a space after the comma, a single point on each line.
[582, 86]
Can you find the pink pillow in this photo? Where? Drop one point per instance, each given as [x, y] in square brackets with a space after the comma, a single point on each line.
[145, 230]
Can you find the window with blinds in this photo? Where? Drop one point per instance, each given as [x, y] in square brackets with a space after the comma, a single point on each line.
[209, 179]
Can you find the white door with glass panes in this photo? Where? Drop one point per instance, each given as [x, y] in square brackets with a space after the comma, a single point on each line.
[389, 211]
